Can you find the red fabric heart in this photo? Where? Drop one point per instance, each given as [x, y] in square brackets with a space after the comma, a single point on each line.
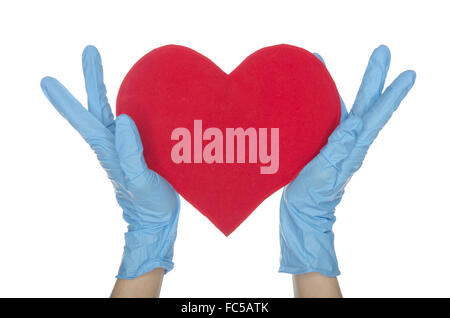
[282, 86]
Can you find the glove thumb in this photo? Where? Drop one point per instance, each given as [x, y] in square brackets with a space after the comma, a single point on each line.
[129, 147]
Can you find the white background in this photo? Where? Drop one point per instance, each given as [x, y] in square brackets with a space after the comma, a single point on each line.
[61, 231]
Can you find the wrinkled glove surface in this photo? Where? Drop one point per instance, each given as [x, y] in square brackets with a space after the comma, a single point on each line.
[308, 203]
[150, 204]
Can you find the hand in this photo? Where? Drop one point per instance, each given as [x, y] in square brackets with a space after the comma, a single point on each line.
[308, 203]
[150, 204]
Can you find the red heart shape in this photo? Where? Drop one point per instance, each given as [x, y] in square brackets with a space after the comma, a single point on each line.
[282, 87]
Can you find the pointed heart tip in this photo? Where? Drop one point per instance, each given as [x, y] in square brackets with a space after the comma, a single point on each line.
[226, 233]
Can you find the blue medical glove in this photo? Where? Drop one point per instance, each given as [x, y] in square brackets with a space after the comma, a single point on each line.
[150, 204]
[308, 203]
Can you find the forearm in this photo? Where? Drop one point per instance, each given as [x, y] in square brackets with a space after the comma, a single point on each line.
[315, 285]
[145, 286]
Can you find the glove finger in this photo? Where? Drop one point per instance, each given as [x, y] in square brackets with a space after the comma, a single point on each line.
[344, 112]
[382, 110]
[96, 91]
[71, 109]
[373, 81]
[342, 141]
[129, 147]
[320, 58]
[375, 119]
[96, 135]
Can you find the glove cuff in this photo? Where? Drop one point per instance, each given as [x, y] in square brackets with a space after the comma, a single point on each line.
[307, 241]
[147, 249]
[312, 252]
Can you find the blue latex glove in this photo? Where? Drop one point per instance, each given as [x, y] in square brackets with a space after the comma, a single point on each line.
[308, 203]
[150, 204]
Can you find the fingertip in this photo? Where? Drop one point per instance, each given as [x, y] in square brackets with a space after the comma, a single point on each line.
[382, 55]
[412, 73]
[46, 81]
[124, 121]
[126, 129]
[122, 134]
[50, 87]
[405, 80]
[410, 76]
[91, 59]
[383, 51]
[384, 48]
[319, 57]
[90, 51]
[43, 84]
